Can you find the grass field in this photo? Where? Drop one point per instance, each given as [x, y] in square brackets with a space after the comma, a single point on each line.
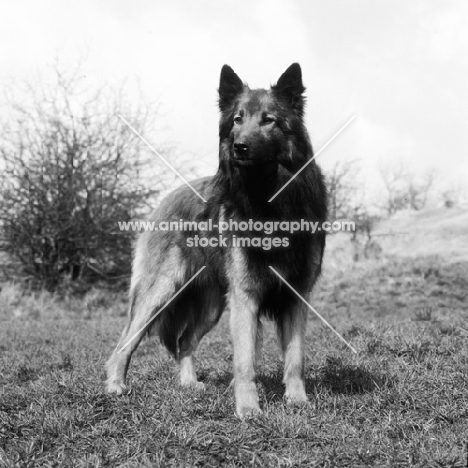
[401, 401]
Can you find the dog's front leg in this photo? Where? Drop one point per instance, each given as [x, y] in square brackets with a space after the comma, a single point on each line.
[244, 322]
[291, 328]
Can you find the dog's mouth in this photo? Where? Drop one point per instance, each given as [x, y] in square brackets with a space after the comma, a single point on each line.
[246, 160]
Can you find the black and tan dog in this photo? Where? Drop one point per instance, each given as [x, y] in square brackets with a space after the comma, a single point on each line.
[263, 143]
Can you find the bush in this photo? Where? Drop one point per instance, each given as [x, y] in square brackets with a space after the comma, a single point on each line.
[71, 169]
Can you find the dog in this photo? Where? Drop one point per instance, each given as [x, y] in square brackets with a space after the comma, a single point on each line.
[263, 144]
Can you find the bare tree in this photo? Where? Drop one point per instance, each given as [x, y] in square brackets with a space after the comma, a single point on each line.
[393, 179]
[404, 189]
[71, 169]
[418, 189]
[342, 186]
[453, 196]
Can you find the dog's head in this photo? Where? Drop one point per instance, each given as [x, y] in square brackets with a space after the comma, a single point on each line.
[262, 126]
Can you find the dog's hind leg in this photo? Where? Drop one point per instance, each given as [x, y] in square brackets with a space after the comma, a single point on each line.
[142, 309]
[188, 375]
[291, 330]
[204, 314]
[148, 295]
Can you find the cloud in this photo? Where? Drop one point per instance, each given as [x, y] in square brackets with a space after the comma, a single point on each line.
[400, 67]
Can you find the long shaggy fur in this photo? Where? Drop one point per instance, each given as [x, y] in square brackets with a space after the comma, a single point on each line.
[262, 144]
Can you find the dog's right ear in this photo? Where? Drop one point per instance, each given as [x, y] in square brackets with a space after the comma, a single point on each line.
[230, 86]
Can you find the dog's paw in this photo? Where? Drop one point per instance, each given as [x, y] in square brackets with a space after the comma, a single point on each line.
[245, 412]
[296, 400]
[246, 400]
[295, 393]
[117, 388]
[193, 385]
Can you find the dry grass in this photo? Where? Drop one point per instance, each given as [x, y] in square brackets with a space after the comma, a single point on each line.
[436, 232]
[402, 401]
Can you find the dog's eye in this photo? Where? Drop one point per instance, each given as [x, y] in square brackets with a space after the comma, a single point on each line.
[237, 119]
[268, 119]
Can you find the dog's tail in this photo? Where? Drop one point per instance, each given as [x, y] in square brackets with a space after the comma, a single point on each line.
[179, 321]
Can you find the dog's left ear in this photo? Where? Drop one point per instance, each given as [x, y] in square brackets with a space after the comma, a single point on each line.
[290, 86]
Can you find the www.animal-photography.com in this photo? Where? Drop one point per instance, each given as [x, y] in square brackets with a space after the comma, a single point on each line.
[234, 234]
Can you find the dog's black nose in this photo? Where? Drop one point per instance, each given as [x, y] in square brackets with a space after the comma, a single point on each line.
[241, 148]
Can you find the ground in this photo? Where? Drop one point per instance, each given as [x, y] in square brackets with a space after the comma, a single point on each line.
[401, 401]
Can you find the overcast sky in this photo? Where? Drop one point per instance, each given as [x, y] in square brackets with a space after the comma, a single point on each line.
[401, 67]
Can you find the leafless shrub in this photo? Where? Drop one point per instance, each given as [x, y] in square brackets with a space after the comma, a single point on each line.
[406, 190]
[342, 187]
[70, 170]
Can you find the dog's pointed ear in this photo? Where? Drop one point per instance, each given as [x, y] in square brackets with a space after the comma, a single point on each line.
[290, 86]
[230, 86]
